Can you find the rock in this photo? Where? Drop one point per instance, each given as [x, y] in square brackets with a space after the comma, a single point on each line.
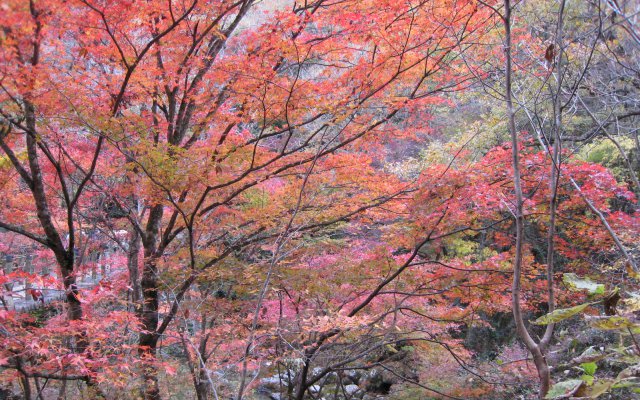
[353, 376]
[271, 387]
[393, 374]
[281, 379]
[273, 382]
[331, 377]
[377, 382]
[351, 389]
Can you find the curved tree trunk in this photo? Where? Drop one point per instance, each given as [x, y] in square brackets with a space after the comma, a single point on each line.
[535, 350]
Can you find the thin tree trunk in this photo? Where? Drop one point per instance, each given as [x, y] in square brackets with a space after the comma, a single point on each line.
[555, 176]
[538, 358]
[551, 234]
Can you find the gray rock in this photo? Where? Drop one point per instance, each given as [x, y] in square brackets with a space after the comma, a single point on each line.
[377, 382]
[351, 389]
[272, 381]
[353, 375]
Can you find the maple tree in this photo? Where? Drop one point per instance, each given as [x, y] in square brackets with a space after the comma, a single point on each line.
[210, 178]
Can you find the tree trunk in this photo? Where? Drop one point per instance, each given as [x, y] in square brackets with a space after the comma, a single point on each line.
[134, 272]
[203, 387]
[71, 289]
[26, 387]
[148, 337]
[535, 350]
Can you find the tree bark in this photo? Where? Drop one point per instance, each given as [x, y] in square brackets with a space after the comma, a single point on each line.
[133, 252]
[148, 337]
[150, 303]
[203, 387]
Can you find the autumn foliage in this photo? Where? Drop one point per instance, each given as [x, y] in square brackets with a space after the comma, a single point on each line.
[204, 188]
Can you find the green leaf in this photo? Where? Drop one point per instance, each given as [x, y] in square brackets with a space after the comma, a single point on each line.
[632, 303]
[588, 379]
[610, 323]
[560, 315]
[599, 388]
[391, 349]
[629, 372]
[574, 282]
[623, 385]
[564, 390]
[589, 368]
[588, 356]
